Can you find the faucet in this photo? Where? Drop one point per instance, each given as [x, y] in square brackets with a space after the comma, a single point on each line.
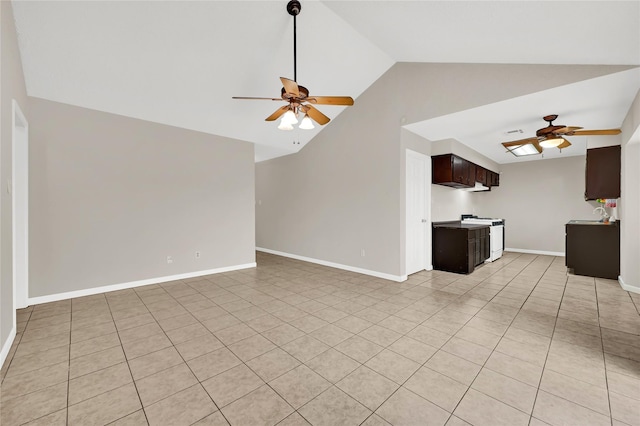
[603, 213]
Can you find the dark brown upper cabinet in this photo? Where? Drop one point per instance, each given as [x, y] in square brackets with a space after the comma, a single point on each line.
[456, 172]
[603, 173]
[494, 179]
[481, 175]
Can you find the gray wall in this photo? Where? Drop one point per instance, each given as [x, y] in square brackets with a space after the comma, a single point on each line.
[537, 198]
[12, 86]
[111, 197]
[630, 198]
[342, 192]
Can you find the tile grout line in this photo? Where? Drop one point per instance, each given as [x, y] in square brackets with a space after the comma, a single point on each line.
[69, 362]
[126, 360]
[604, 357]
[535, 400]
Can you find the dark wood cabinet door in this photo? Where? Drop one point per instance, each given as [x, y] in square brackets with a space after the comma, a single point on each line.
[481, 175]
[593, 250]
[460, 170]
[442, 169]
[603, 173]
[493, 178]
[471, 175]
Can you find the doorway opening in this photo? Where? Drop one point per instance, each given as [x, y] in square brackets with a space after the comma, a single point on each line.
[19, 189]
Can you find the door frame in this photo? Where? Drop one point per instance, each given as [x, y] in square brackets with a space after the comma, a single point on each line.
[19, 163]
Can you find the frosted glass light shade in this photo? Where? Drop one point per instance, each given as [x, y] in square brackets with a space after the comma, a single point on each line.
[290, 117]
[284, 124]
[306, 123]
[551, 143]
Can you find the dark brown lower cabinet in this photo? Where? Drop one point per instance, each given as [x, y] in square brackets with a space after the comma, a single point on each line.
[459, 248]
[593, 249]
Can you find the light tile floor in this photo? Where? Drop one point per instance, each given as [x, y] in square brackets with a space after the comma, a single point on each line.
[518, 342]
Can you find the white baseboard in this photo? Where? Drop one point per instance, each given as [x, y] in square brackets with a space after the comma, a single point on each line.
[540, 252]
[132, 284]
[628, 287]
[398, 278]
[6, 347]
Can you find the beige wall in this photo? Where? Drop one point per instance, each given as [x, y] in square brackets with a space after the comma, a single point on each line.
[630, 198]
[343, 191]
[537, 198]
[12, 86]
[111, 197]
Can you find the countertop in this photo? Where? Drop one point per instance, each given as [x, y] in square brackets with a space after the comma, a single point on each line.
[456, 224]
[591, 222]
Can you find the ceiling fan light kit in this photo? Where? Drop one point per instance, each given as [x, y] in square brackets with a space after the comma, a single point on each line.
[298, 96]
[551, 137]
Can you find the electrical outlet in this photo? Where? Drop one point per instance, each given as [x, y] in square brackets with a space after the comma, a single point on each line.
[362, 252]
[169, 259]
[197, 255]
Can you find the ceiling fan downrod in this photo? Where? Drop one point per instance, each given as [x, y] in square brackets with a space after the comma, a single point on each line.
[294, 7]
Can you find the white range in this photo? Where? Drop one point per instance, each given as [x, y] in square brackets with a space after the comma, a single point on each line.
[496, 234]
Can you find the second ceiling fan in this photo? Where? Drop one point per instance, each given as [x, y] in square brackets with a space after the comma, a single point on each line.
[552, 136]
[296, 96]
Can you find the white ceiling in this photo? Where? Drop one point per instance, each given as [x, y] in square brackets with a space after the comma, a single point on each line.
[598, 103]
[180, 62]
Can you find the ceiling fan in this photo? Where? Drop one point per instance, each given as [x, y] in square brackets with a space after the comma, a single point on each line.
[296, 96]
[552, 136]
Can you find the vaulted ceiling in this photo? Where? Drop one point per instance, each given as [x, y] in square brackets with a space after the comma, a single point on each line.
[180, 62]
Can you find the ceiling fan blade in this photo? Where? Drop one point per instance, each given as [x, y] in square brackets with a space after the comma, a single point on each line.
[316, 115]
[330, 100]
[521, 142]
[536, 145]
[564, 144]
[567, 129]
[278, 113]
[260, 99]
[604, 132]
[290, 86]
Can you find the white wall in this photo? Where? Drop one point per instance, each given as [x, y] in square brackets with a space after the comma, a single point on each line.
[112, 197]
[12, 86]
[630, 199]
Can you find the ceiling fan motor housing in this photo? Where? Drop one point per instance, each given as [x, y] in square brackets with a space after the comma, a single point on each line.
[550, 129]
[294, 7]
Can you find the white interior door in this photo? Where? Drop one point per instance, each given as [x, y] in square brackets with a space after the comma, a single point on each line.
[418, 219]
[20, 196]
